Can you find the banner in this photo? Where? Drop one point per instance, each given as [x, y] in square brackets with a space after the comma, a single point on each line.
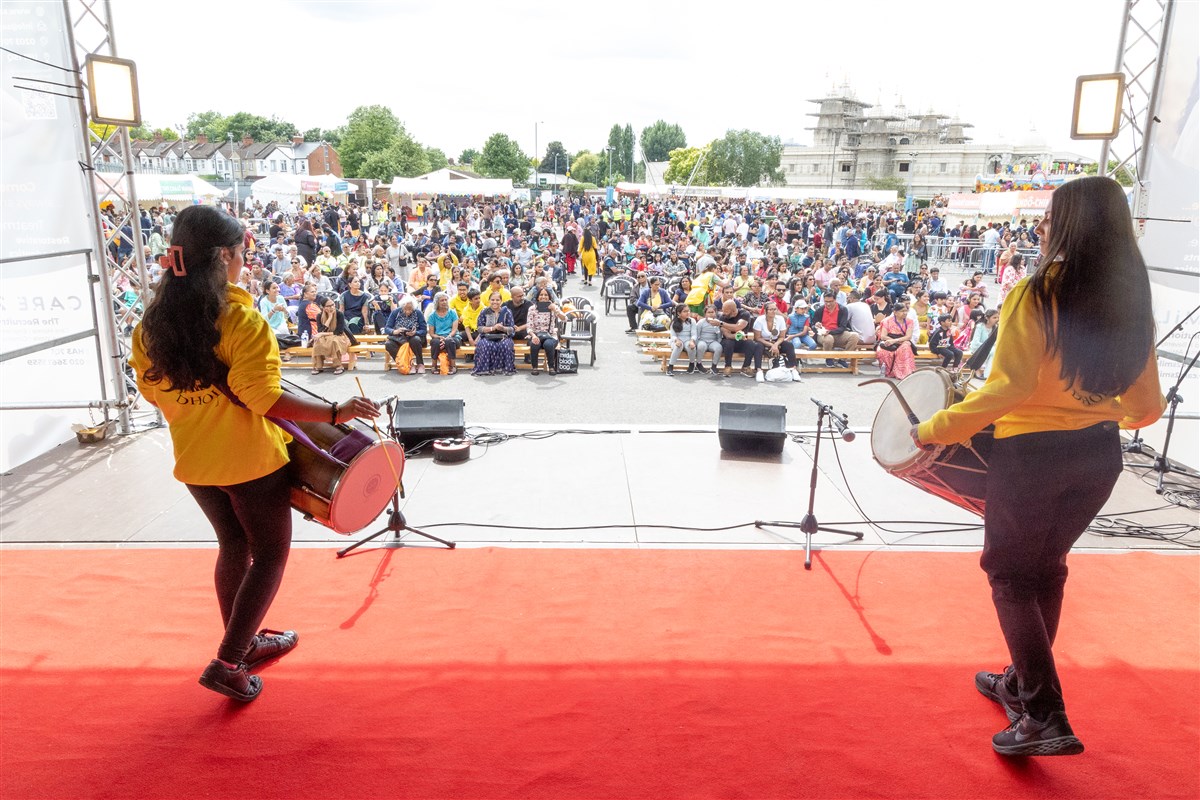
[43, 201]
[41, 301]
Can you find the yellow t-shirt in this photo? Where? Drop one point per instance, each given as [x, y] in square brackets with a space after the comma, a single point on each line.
[470, 316]
[1024, 393]
[218, 443]
[459, 304]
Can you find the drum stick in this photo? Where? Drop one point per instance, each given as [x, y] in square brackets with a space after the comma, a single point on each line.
[379, 435]
[891, 383]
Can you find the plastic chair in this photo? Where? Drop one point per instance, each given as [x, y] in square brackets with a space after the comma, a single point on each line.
[580, 325]
[617, 290]
[578, 302]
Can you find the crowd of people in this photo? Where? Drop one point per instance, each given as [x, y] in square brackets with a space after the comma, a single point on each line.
[722, 278]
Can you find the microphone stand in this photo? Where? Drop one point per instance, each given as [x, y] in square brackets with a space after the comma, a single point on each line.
[396, 524]
[1134, 445]
[808, 524]
[1161, 464]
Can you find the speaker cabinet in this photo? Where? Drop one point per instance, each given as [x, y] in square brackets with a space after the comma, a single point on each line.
[419, 421]
[749, 428]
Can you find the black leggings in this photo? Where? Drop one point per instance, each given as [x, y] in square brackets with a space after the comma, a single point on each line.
[253, 522]
[1043, 490]
[548, 344]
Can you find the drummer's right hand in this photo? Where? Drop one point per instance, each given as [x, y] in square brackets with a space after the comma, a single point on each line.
[357, 408]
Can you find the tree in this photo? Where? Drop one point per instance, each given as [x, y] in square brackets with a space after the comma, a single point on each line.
[502, 158]
[1122, 176]
[556, 159]
[437, 159]
[683, 161]
[744, 158]
[468, 156]
[403, 157]
[368, 129]
[627, 157]
[210, 123]
[588, 168]
[258, 127]
[887, 183]
[660, 139]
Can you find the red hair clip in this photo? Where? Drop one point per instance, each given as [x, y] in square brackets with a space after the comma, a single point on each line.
[173, 259]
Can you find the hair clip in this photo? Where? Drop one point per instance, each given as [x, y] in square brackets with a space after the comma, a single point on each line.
[174, 260]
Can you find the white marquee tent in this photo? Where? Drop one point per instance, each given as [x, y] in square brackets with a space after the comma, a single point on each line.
[283, 188]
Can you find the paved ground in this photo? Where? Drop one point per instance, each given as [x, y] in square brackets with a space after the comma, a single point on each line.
[622, 388]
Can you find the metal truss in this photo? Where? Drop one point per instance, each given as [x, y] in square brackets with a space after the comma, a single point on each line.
[118, 235]
[1140, 50]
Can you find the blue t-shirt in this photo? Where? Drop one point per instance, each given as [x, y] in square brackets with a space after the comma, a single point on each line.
[443, 325]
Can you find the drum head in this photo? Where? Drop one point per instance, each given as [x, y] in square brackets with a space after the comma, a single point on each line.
[365, 488]
[927, 391]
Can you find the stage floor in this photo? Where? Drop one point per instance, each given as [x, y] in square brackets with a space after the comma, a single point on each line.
[646, 487]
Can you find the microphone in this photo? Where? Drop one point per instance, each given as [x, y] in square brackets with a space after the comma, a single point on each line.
[842, 423]
[843, 427]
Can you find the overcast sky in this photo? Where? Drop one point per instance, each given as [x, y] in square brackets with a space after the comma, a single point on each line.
[456, 72]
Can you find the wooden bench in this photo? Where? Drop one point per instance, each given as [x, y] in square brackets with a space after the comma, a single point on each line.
[656, 345]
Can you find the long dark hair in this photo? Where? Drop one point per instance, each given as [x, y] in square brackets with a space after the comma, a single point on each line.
[179, 329]
[1093, 290]
[588, 242]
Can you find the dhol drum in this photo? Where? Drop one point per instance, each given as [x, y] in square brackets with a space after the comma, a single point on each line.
[957, 473]
[347, 485]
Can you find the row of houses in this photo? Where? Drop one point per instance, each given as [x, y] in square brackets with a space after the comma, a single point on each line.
[231, 160]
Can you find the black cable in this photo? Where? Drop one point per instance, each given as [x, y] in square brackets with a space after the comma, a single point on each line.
[36, 60]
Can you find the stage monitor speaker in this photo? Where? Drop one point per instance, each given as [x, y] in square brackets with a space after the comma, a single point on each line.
[746, 427]
[420, 421]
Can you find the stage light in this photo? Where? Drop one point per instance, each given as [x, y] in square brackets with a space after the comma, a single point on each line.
[1097, 112]
[113, 91]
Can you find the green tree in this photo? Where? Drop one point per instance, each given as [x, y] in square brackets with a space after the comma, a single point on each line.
[887, 183]
[368, 129]
[468, 156]
[437, 159]
[404, 157]
[1123, 176]
[502, 158]
[588, 168]
[744, 158]
[683, 161]
[556, 160]
[210, 123]
[627, 157]
[659, 139]
[259, 128]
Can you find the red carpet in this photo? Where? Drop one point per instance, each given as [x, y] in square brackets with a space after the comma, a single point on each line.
[585, 674]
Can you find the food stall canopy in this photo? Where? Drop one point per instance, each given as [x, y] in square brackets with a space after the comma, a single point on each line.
[156, 189]
[466, 187]
[283, 188]
[786, 193]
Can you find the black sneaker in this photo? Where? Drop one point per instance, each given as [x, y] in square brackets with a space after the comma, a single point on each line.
[269, 644]
[994, 686]
[670, 369]
[843, 363]
[691, 368]
[829, 362]
[237, 683]
[703, 370]
[1028, 737]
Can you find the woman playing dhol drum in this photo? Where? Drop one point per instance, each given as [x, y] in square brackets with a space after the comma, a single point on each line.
[200, 339]
[1074, 362]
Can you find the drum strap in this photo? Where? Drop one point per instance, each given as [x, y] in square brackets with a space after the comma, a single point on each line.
[288, 426]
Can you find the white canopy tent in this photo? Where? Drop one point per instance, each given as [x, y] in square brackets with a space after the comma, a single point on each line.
[462, 187]
[173, 189]
[790, 193]
[283, 188]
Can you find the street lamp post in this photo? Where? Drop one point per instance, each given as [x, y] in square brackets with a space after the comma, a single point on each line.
[232, 174]
[608, 176]
[537, 161]
[555, 172]
[909, 200]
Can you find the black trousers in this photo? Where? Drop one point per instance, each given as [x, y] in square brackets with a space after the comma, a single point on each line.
[1043, 490]
[417, 343]
[752, 350]
[951, 355]
[253, 522]
[548, 344]
[437, 344]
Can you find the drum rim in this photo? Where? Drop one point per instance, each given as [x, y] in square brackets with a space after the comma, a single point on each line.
[337, 484]
[919, 457]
